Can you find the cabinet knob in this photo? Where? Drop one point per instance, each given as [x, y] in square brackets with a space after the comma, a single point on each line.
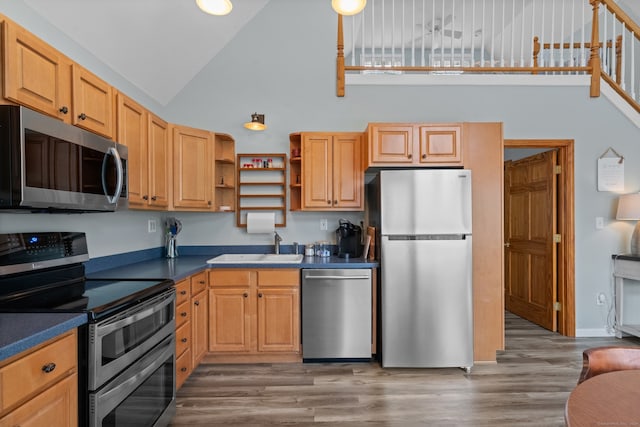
[183, 340]
[82, 116]
[183, 369]
[260, 295]
[145, 197]
[64, 110]
[209, 202]
[183, 314]
[49, 367]
[246, 295]
[154, 198]
[202, 282]
[183, 292]
[196, 302]
[424, 156]
[335, 202]
[328, 202]
[409, 156]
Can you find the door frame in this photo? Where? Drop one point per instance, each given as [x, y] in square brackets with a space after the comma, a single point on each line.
[565, 226]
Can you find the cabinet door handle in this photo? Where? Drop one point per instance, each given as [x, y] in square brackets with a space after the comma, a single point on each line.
[82, 116]
[183, 340]
[64, 109]
[196, 302]
[246, 295]
[49, 367]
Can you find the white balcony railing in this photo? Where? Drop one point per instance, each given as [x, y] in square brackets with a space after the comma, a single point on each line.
[493, 36]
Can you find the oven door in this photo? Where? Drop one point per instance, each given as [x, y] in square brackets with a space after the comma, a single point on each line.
[118, 341]
[141, 396]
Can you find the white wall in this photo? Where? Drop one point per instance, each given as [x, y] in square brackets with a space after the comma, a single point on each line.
[283, 65]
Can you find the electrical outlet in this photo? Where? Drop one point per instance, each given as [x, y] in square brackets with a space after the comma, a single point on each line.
[151, 226]
[599, 223]
[601, 299]
[324, 225]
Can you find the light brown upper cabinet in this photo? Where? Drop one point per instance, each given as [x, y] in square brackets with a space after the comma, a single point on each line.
[40, 77]
[331, 171]
[193, 174]
[93, 102]
[35, 74]
[409, 144]
[147, 138]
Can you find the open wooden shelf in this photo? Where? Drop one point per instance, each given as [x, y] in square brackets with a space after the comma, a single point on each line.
[260, 188]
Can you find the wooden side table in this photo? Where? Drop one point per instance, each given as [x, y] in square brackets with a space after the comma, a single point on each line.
[625, 267]
[611, 399]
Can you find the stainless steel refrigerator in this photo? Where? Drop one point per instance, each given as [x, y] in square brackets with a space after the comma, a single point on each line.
[424, 226]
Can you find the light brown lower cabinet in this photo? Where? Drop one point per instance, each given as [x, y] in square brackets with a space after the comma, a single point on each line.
[40, 386]
[191, 324]
[254, 315]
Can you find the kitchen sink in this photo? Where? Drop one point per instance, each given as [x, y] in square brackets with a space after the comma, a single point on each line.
[256, 259]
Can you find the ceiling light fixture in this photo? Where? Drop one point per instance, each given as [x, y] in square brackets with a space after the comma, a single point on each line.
[348, 7]
[215, 7]
[256, 123]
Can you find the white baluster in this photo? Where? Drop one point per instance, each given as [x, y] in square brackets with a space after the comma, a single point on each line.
[483, 32]
[603, 41]
[562, 61]
[541, 57]
[634, 72]
[373, 32]
[424, 21]
[533, 28]
[462, 38]
[502, 36]
[583, 53]
[442, 35]
[363, 49]
[413, 33]
[513, 29]
[473, 35]
[572, 61]
[453, 27]
[552, 61]
[522, 34]
[493, 32]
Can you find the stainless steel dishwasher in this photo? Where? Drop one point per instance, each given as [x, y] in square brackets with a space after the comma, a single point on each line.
[336, 314]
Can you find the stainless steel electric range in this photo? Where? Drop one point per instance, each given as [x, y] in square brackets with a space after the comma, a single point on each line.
[127, 348]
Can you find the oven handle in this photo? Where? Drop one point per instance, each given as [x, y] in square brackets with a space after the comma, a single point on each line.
[108, 399]
[128, 318]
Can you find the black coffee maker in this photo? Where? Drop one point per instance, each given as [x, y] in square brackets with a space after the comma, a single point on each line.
[349, 238]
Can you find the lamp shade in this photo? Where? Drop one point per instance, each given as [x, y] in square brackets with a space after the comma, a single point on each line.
[348, 7]
[629, 207]
[256, 123]
[215, 7]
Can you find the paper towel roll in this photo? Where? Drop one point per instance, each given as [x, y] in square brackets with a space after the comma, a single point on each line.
[261, 222]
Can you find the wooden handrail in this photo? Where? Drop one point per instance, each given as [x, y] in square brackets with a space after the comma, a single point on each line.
[622, 16]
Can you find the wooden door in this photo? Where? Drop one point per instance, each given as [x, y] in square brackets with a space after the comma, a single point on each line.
[192, 164]
[199, 327]
[390, 144]
[530, 227]
[348, 175]
[132, 132]
[229, 319]
[279, 319]
[317, 185]
[159, 162]
[440, 144]
[93, 102]
[35, 74]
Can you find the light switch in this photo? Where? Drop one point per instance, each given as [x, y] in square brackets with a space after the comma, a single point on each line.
[599, 223]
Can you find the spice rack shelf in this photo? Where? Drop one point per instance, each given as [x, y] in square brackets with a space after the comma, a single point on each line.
[262, 186]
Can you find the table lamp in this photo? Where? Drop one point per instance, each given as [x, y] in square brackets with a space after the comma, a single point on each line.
[629, 209]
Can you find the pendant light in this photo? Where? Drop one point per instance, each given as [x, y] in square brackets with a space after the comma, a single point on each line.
[348, 7]
[256, 123]
[215, 7]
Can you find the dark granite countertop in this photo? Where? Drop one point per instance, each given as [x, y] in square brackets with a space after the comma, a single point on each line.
[21, 331]
[184, 266]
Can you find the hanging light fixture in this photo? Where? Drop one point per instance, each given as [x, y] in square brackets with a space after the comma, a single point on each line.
[215, 7]
[256, 123]
[348, 7]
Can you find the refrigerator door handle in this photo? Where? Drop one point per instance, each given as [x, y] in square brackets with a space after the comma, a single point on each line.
[428, 237]
[337, 277]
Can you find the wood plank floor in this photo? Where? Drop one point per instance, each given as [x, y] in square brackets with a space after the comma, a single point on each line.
[527, 387]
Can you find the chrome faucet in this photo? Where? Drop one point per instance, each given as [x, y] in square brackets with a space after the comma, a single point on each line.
[277, 239]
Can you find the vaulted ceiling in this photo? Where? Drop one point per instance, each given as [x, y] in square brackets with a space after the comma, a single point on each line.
[159, 45]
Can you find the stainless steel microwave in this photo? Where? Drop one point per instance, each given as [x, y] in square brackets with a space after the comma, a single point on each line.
[49, 165]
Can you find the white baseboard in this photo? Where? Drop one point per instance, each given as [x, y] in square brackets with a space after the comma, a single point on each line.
[592, 333]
